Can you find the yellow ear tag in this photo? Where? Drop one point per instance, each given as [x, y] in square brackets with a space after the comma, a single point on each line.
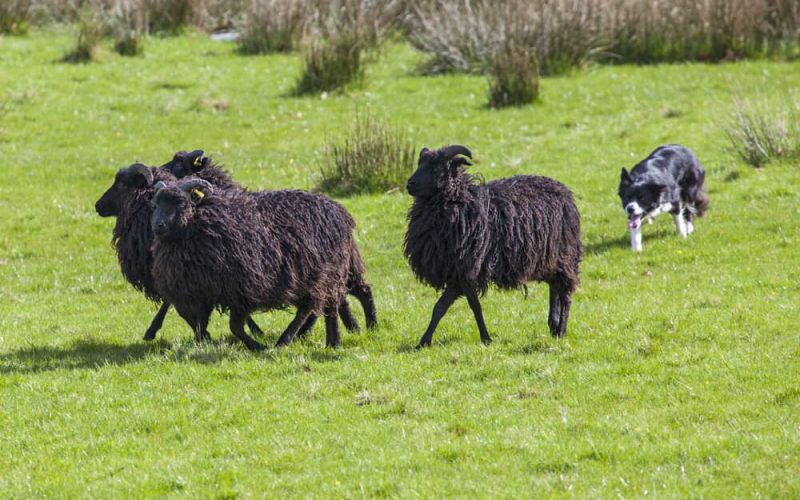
[198, 193]
[198, 161]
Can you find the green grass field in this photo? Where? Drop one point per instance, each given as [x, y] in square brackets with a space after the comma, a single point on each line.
[680, 375]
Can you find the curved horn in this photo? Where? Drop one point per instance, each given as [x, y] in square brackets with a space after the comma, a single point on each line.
[456, 149]
[144, 170]
[160, 185]
[191, 184]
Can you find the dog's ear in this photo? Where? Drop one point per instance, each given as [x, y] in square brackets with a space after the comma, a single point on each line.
[625, 177]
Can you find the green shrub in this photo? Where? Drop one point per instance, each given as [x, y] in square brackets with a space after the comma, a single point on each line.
[331, 64]
[372, 158]
[513, 77]
[14, 16]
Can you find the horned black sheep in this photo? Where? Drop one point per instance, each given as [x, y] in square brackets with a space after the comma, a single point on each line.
[185, 163]
[241, 252]
[129, 200]
[463, 235]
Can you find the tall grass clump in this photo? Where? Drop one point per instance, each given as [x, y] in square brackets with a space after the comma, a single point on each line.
[760, 132]
[272, 26]
[90, 30]
[513, 77]
[371, 158]
[331, 64]
[126, 27]
[14, 16]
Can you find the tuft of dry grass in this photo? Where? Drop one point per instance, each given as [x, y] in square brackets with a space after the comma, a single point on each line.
[513, 77]
[760, 132]
[90, 30]
[372, 158]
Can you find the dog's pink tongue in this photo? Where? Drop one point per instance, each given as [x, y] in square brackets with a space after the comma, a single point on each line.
[634, 222]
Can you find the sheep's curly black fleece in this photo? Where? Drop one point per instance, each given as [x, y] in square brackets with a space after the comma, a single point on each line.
[242, 252]
[466, 235]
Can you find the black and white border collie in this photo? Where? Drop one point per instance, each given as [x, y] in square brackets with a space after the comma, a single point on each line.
[669, 180]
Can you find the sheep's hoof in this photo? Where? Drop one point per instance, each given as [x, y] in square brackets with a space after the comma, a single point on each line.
[148, 335]
[487, 341]
[422, 345]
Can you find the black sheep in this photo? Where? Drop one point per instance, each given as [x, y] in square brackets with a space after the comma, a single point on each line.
[463, 235]
[241, 252]
[185, 163]
[129, 200]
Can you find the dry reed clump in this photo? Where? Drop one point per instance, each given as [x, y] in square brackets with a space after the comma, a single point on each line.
[272, 26]
[372, 158]
[760, 132]
[463, 35]
[336, 37]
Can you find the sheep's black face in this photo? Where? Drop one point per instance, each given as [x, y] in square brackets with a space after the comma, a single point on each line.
[174, 206]
[171, 209]
[186, 163]
[435, 170]
[136, 176]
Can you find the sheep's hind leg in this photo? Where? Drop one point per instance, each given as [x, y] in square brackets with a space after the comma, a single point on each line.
[307, 326]
[238, 320]
[566, 303]
[439, 310]
[554, 318]
[363, 293]
[298, 321]
[253, 326]
[332, 337]
[475, 305]
[347, 316]
[158, 320]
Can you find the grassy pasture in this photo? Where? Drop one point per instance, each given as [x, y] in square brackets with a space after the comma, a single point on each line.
[680, 375]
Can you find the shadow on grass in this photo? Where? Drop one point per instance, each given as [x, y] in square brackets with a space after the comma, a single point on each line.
[82, 354]
[603, 246]
[92, 354]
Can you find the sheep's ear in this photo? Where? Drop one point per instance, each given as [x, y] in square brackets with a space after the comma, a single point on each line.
[139, 176]
[425, 152]
[624, 176]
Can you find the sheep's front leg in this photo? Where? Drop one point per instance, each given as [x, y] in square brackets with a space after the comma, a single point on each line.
[291, 330]
[198, 321]
[158, 320]
[332, 337]
[475, 305]
[439, 310]
[238, 319]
